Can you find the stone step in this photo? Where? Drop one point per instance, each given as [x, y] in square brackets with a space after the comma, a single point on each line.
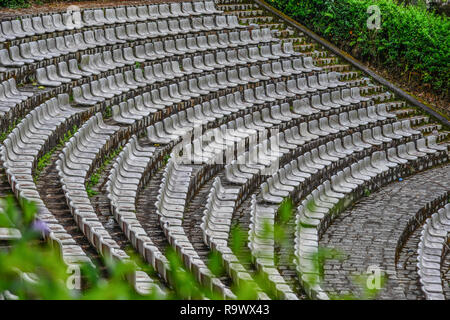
[371, 89]
[237, 7]
[429, 128]
[336, 68]
[283, 33]
[381, 97]
[274, 26]
[257, 20]
[321, 62]
[191, 224]
[394, 105]
[356, 82]
[246, 13]
[297, 40]
[401, 113]
[417, 120]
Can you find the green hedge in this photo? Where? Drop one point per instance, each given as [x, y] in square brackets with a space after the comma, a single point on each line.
[14, 3]
[410, 39]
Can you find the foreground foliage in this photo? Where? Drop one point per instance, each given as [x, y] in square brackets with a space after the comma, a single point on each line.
[31, 268]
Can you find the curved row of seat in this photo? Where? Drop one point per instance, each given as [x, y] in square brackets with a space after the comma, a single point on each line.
[176, 126]
[150, 51]
[88, 18]
[335, 194]
[289, 181]
[215, 226]
[107, 61]
[262, 155]
[434, 236]
[216, 219]
[263, 159]
[243, 172]
[114, 85]
[34, 51]
[262, 247]
[170, 207]
[19, 153]
[11, 96]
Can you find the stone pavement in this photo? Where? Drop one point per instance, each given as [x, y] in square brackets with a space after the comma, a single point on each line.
[367, 235]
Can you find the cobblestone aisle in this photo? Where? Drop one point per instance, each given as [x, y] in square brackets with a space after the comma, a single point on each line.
[367, 234]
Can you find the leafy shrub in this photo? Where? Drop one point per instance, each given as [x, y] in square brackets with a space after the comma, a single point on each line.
[411, 40]
[14, 4]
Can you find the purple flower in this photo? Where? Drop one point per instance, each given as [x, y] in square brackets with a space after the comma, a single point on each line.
[40, 226]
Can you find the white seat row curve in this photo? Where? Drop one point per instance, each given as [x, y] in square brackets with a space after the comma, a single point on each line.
[88, 145]
[215, 226]
[19, 154]
[264, 153]
[262, 247]
[54, 76]
[58, 22]
[35, 51]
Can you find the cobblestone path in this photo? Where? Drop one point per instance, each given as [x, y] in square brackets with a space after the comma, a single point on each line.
[367, 235]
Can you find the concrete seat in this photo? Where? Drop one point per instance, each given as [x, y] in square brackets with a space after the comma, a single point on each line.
[176, 10]
[309, 64]
[313, 83]
[8, 32]
[164, 10]
[132, 14]
[356, 95]
[43, 79]
[26, 26]
[398, 130]
[153, 12]
[87, 65]
[87, 94]
[17, 29]
[288, 48]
